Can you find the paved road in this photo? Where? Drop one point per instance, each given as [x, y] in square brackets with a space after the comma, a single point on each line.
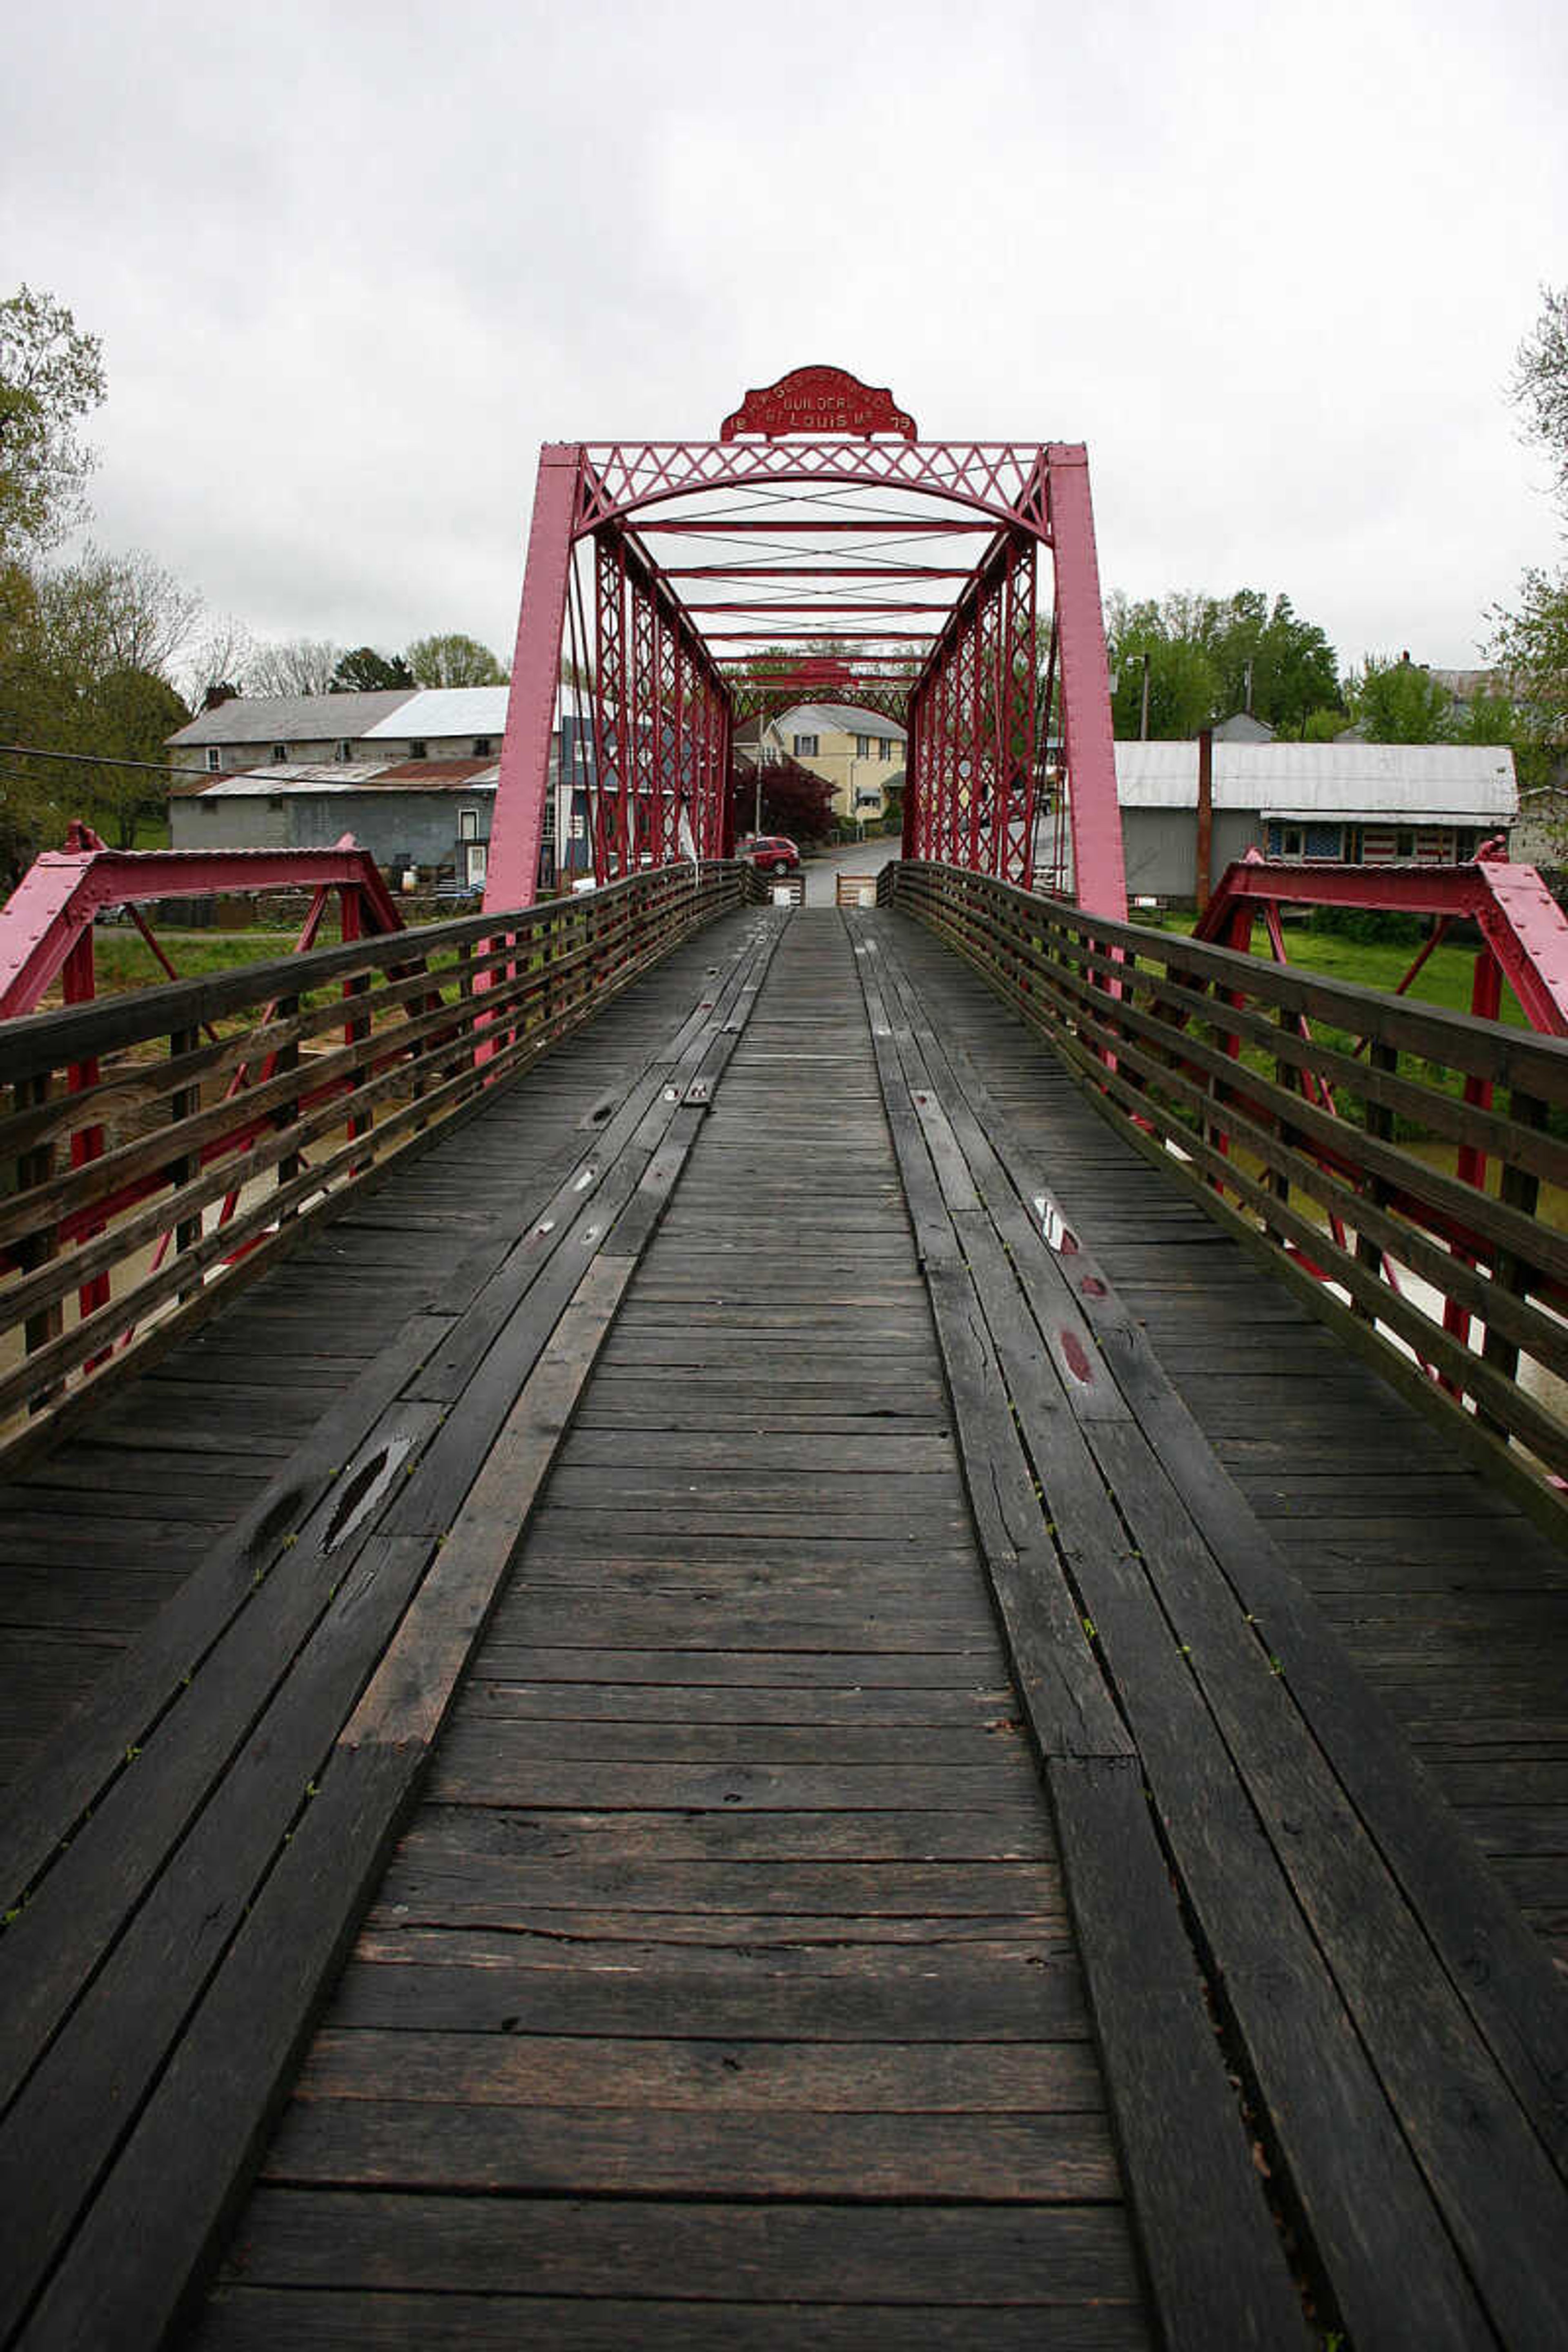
[855, 857]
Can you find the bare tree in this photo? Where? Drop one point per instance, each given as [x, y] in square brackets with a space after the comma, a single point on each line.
[1540, 385]
[220, 657]
[294, 666]
[127, 612]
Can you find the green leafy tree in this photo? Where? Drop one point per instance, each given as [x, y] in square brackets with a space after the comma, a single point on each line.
[33, 810]
[1325, 726]
[1209, 656]
[1149, 643]
[81, 657]
[452, 660]
[1271, 661]
[51, 374]
[1530, 644]
[1531, 648]
[1400, 701]
[365, 671]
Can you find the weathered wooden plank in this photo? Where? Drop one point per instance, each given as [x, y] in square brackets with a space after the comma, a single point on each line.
[967, 1999]
[708, 2074]
[933, 2252]
[250, 2319]
[777, 2151]
[1515, 1998]
[68, 2113]
[1228, 2281]
[491, 1698]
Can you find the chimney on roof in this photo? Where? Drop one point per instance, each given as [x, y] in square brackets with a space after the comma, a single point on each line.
[221, 692]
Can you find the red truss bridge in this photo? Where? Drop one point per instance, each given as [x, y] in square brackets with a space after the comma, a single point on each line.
[665, 569]
[729, 1625]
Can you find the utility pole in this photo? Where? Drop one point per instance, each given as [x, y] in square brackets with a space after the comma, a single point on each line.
[1144, 722]
[757, 786]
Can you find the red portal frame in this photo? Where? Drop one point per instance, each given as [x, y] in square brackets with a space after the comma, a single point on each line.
[949, 640]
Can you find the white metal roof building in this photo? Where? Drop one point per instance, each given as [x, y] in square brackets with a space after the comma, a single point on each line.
[432, 713]
[1371, 803]
[1408, 783]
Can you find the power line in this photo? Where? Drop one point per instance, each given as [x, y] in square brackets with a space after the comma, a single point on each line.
[91, 759]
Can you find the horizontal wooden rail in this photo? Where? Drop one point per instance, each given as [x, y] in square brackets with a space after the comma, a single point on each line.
[1330, 1125]
[152, 1144]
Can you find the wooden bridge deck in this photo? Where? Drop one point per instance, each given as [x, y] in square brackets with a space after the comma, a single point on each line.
[931, 1836]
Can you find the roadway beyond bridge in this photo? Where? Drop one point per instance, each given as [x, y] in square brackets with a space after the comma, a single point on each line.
[772, 1698]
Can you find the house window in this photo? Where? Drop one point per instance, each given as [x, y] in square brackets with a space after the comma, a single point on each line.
[804, 747]
[1404, 844]
[215, 759]
[418, 750]
[279, 753]
[1306, 841]
[887, 742]
[482, 747]
[344, 751]
[862, 747]
[207, 808]
[275, 800]
[467, 824]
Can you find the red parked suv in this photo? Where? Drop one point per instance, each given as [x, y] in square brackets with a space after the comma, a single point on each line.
[772, 852]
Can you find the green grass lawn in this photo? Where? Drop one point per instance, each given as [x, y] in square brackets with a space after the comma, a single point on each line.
[123, 960]
[1444, 978]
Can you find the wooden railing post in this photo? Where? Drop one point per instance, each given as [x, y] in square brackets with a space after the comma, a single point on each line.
[1379, 1123]
[34, 1168]
[1520, 1189]
[286, 1064]
[184, 1104]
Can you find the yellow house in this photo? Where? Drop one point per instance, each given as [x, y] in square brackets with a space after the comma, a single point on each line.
[858, 753]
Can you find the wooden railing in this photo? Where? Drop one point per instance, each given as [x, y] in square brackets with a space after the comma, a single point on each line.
[155, 1143]
[1347, 1133]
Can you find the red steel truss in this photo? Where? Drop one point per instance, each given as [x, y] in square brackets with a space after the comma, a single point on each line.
[47, 925]
[910, 623]
[973, 716]
[1524, 942]
[661, 722]
[1523, 930]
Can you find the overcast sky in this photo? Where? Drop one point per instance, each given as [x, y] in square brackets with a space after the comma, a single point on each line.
[352, 263]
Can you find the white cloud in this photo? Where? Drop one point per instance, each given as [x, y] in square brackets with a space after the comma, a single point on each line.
[352, 264]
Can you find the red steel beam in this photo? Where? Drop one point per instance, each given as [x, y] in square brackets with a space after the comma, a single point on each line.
[825, 607]
[869, 527]
[759, 637]
[1520, 920]
[783, 571]
[1099, 876]
[62, 890]
[516, 825]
